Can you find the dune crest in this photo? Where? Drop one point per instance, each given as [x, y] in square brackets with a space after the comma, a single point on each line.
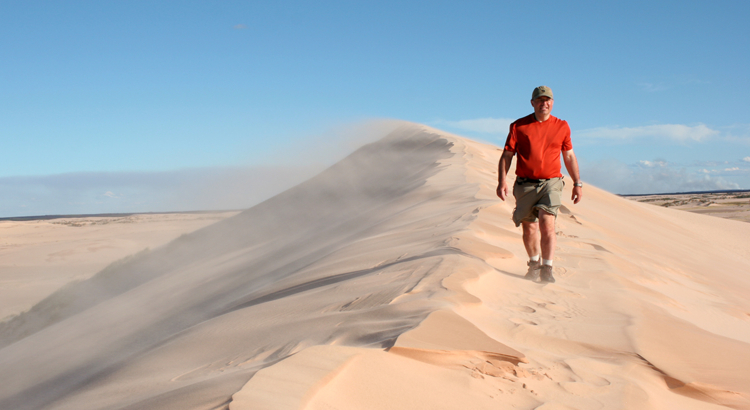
[394, 280]
[639, 286]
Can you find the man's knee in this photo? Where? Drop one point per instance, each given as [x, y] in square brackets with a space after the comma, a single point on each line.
[546, 222]
[530, 228]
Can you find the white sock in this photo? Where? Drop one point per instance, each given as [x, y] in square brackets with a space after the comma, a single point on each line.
[534, 258]
[547, 262]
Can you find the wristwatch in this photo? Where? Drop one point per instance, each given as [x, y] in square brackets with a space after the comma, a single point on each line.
[578, 184]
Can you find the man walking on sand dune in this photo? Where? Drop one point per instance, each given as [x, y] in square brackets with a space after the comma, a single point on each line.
[538, 139]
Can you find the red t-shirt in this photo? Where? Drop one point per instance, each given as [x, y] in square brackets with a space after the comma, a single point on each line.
[538, 145]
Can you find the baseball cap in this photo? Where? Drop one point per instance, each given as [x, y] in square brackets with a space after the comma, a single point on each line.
[542, 91]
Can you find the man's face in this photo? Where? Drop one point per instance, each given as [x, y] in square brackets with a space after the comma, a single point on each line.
[542, 106]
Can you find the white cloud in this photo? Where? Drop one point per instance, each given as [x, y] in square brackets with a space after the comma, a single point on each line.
[110, 194]
[482, 125]
[651, 164]
[746, 159]
[678, 132]
[732, 169]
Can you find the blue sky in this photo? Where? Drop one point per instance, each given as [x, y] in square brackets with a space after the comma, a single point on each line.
[102, 100]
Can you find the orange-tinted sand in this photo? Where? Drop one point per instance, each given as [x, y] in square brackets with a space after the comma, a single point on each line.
[394, 281]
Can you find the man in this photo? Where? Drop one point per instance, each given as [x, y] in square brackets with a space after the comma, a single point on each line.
[538, 139]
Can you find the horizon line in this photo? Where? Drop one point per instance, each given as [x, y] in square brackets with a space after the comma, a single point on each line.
[111, 215]
[720, 191]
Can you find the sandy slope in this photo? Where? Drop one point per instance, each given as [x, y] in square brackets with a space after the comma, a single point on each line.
[393, 280]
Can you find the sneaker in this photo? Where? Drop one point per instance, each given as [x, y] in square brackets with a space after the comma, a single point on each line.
[533, 273]
[546, 274]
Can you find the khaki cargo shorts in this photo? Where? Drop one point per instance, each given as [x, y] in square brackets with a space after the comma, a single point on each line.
[533, 195]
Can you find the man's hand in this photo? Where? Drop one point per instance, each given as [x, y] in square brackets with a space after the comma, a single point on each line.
[503, 190]
[577, 194]
[571, 164]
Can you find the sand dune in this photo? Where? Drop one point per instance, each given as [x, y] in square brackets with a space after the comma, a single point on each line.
[394, 280]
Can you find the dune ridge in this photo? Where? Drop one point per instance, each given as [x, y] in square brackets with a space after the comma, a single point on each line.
[644, 316]
[394, 280]
[318, 264]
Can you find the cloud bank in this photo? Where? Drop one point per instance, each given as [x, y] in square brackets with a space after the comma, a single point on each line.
[124, 192]
[192, 189]
[676, 132]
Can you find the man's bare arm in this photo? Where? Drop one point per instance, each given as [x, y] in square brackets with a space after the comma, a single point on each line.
[503, 189]
[571, 164]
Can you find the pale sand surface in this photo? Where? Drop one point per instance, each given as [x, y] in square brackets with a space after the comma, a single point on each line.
[37, 257]
[394, 280]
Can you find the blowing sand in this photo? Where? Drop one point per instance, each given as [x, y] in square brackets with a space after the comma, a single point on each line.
[393, 280]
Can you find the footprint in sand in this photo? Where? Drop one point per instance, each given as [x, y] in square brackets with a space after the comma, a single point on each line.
[564, 235]
[568, 294]
[519, 321]
[541, 302]
[524, 309]
[555, 308]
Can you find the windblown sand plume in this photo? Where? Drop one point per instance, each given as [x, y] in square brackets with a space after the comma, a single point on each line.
[393, 280]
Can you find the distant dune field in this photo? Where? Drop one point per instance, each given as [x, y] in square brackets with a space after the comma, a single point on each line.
[728, 205]
[40, 255]
[394, 280]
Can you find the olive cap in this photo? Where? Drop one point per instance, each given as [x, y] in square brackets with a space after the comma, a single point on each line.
[542, 91]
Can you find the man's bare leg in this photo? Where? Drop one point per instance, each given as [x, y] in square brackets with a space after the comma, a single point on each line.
[531, 237]
[547, 233]
[548, 242]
